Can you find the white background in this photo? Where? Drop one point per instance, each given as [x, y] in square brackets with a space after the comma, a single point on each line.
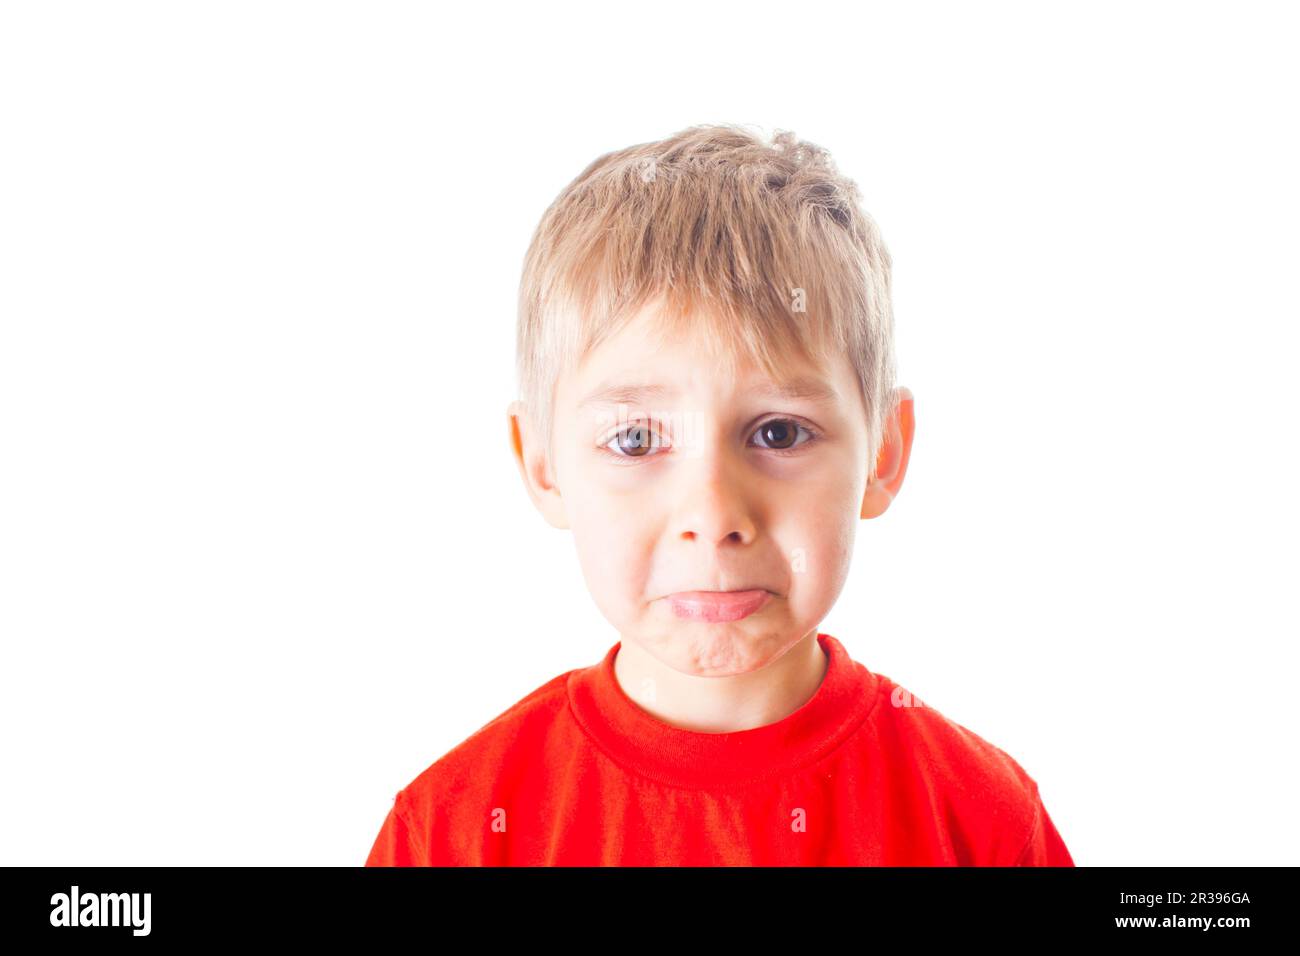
[264, 554]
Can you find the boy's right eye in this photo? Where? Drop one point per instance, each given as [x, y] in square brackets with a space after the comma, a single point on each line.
[634, 441]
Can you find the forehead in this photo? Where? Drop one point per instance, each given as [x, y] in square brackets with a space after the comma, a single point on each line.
[641, 388]
[640, 363]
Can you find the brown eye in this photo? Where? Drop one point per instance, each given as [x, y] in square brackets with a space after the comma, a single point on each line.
[635, 441]
[779, 433]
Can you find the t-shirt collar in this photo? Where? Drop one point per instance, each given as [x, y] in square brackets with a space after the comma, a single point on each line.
[642, 743]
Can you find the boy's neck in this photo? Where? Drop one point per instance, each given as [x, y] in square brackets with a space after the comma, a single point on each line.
[716, 705]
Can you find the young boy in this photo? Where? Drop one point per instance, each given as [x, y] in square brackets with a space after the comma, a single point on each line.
[705, 349]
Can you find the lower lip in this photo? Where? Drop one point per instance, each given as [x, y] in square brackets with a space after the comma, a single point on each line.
[715, 606]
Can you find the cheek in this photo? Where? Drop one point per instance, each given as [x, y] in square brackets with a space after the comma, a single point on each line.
[611, 544]
[607, 519]
[816, 533]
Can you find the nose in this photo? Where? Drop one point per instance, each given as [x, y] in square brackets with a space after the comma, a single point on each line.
[713, 504]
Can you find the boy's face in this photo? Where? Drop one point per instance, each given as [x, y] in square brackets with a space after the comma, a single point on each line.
[708, 485]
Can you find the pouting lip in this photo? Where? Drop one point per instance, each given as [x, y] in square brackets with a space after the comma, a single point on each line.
[718, 606]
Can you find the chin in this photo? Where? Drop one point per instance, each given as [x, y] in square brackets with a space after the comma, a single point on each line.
[716, 650]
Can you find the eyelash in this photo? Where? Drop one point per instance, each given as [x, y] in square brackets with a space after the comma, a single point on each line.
[814, 435]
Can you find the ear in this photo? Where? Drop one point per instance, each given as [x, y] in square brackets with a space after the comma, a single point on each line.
[895, 450]
[530, 456]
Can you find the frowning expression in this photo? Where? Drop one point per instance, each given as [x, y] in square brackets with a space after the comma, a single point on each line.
[677, 480]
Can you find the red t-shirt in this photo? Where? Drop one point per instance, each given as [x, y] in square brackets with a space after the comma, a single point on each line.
[576, 774]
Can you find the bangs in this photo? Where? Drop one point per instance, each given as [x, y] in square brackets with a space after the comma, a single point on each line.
[758, 251]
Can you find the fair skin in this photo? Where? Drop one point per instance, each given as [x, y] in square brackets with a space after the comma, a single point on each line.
[689, 490]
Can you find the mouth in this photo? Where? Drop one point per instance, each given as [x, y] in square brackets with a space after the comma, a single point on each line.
[718, 606]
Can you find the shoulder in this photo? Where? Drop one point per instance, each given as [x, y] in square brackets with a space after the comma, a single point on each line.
[989, 801]
[951, 751]
[522, 726]
[438, 818]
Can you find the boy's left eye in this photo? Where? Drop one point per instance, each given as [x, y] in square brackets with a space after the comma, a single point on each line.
[785, 430]
[780, 435]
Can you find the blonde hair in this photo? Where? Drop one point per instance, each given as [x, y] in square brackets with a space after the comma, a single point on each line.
[762, 246]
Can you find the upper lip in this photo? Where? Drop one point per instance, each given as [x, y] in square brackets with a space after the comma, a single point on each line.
[721, 590]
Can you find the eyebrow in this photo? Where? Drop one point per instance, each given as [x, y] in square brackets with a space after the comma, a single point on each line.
[806, 388]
